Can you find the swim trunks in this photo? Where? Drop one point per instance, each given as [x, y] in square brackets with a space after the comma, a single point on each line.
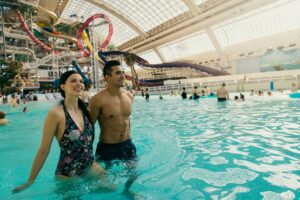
[120, 151]
[222, 99]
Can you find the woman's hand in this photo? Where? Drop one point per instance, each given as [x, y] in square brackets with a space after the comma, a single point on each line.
[21, 187]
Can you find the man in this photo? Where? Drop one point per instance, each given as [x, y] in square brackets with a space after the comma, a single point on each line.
[183, 94]
[222, 93]
[196, 93]
[147, 94]
[112, 108]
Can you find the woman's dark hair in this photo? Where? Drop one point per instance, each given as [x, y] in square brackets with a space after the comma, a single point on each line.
[81, 104]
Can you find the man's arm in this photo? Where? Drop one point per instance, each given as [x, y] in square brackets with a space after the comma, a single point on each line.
[134, 92]
[94, 108]
[130, 95]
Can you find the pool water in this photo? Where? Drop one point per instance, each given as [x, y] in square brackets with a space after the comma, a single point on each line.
[188, 149]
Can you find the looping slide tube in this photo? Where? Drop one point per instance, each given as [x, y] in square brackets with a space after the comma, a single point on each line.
[89, 45]
[85, 24]
[85, 79]
[29, 33]
[144, 63]
[102, 56]
[295, 95]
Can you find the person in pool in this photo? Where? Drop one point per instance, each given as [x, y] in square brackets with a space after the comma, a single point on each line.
[25, 110]
[3, 121]
[183, 94]
[70, 123]
[13, 101]
[222, 93]
[147, 94]
[112, 108]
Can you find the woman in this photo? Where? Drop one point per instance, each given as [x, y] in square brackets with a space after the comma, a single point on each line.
[70, 123]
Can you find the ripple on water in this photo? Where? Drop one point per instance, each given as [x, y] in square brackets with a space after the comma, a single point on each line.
[218, 160]
[232, 175]
[186, 149]
[269, 195]
[288, 180]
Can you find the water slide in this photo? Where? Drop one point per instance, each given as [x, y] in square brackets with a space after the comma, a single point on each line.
[89, 45]
[85, 25]
[30, 34]
[145, 83]
[294, 95]
[65, 37]
[142, 62]
[76, 66]
[52, 17]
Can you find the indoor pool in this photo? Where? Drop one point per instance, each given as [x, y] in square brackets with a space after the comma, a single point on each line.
[188, 149]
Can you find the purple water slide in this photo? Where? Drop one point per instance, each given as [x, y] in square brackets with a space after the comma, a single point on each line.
[178, 64]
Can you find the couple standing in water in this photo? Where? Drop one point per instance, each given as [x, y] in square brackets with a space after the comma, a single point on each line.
[72, 124]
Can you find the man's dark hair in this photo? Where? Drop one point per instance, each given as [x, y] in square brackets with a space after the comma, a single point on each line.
[107, 67]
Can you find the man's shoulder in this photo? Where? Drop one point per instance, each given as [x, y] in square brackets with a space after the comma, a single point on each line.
[100, 94]
[129, 94]
[99, 97]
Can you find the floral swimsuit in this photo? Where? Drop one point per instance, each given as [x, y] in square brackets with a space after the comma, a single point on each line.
[76, 147]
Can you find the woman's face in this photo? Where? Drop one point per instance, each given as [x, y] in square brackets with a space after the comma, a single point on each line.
[74, 85]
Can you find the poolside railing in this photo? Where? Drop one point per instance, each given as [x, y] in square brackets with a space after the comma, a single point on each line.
[236, 83]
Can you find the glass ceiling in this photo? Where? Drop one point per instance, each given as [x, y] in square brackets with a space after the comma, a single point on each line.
[275, 18]
[199, 2]
[122, 32]
[187, 46]
[278, 17]
[151, 57]
[148, 14]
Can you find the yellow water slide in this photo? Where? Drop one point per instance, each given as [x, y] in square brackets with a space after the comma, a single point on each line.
[89, 45]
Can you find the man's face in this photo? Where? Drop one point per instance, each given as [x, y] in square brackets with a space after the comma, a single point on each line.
[117, 77]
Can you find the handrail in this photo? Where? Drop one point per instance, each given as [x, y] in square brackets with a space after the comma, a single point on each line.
[52, 56]
[234, 82]
[16, 32]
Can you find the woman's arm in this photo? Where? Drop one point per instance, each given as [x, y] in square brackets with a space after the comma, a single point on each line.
[50, 128]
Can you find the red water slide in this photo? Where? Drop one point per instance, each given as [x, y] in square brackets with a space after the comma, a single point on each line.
[29, 33]
[85, 24]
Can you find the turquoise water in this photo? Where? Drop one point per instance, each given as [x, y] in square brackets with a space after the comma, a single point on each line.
[188, 150]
